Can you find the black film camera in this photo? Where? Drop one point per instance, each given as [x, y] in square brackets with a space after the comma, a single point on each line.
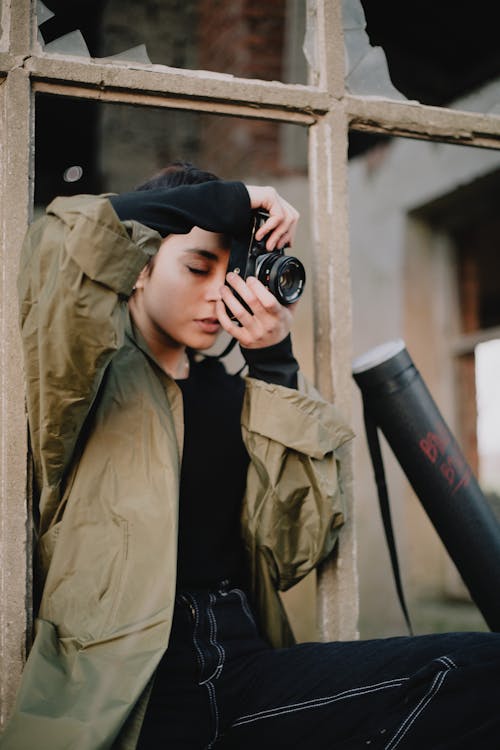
[282, 274]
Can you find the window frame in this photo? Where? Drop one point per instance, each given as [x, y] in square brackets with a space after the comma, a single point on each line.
[329, 112]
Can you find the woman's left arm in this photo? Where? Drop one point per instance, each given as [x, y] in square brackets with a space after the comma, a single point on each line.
[294, 504]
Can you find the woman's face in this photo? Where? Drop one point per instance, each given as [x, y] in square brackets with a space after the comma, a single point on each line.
[174, 302]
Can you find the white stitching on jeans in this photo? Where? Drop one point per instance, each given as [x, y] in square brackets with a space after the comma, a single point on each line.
[190, 600]
[244, 605]
[213, 704]
[413, 716]
[318, 702]
[213, 640]
[447, 662]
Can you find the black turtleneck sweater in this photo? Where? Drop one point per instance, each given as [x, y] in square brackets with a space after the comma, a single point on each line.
[214, 465]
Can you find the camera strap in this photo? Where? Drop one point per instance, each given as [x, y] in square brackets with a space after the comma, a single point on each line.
[385, 510]
[228, 349]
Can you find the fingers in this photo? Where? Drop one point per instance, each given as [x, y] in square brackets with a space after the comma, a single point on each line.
[265, 323]
[254, 293]
[228, 325]
[283, 217]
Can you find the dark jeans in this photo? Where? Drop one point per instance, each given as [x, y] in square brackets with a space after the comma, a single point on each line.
[221, 685]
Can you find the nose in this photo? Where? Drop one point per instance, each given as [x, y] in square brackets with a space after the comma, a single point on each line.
[216, 281]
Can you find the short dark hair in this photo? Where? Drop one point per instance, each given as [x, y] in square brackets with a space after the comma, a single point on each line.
[177, 173]
[174, 174]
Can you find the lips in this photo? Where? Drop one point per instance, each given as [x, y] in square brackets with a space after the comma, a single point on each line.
[208, 325]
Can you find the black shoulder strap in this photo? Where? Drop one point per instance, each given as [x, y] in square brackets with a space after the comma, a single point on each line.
[229, 348]
[385, 510]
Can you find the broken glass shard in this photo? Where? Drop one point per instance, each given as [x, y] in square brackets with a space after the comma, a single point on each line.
[134, 54]
[69, 44]
[42, 13]
[367, 72]
[309, 45]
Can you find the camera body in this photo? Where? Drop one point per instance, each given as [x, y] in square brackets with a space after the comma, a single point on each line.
[284, 275]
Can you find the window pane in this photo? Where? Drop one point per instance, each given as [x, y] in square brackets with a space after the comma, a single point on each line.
[58, 29]
[66, 138]
[250, 39]
[438, 53]
[366, 65]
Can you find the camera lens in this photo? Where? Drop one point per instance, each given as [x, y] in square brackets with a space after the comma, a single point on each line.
[283, 275]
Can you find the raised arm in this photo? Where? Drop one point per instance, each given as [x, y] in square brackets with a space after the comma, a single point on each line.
[78, 267]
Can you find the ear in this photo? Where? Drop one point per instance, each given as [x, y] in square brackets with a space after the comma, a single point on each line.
[141, 279]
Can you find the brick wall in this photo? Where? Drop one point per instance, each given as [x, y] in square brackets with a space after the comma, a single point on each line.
[244, 38]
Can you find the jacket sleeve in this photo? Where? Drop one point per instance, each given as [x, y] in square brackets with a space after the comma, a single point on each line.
[218, 206]
[294, 504]
[78, 266]
[274, 364]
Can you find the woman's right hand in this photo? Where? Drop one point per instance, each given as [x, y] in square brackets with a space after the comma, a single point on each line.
[283, 217]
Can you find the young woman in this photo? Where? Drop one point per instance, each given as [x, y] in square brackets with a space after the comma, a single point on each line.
[176, 500]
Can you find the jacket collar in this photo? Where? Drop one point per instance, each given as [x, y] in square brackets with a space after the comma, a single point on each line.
[135, 338]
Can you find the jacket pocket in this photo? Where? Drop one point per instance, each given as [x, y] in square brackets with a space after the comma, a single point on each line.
[86, 578]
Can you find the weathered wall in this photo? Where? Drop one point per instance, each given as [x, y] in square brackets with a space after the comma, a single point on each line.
[15, 578]
[403, 279]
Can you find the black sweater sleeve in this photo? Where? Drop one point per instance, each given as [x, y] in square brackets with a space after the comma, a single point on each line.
[217, 206]
[273, 364]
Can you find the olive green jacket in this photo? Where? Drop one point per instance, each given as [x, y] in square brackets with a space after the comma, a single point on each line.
[106, 432]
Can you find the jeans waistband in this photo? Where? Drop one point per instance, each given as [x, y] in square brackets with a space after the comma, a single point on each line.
[219, 587]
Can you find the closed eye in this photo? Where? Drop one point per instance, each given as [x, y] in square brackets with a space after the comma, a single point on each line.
[198, 271]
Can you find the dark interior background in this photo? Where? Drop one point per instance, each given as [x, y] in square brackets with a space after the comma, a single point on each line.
[436, 52]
